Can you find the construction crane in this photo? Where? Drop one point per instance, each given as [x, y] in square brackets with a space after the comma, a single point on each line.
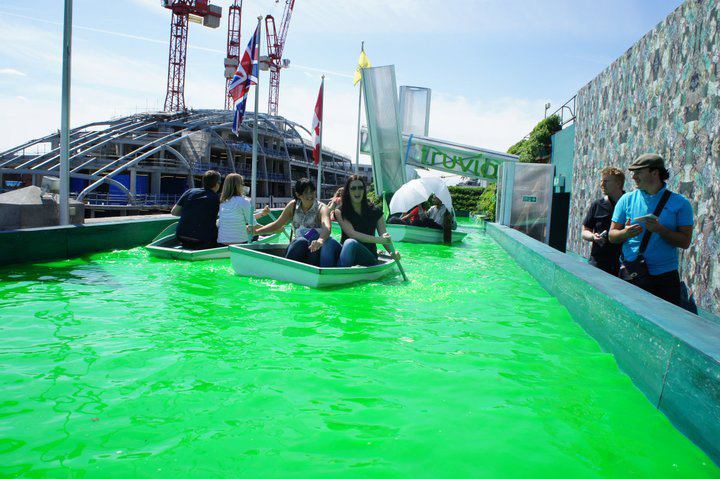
[274, 60]
[183, 12]
[232, 59]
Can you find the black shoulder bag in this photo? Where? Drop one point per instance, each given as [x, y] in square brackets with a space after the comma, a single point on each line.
[636, 271]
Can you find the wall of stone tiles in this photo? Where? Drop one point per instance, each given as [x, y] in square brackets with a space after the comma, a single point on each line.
[662, 95]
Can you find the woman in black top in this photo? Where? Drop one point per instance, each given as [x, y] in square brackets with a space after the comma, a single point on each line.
[359, 221]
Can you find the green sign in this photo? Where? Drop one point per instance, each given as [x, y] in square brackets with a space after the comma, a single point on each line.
[529, 199]
[478, 165]
[449, 157]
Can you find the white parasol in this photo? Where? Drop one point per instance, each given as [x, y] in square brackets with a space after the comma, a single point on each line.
[417, 191]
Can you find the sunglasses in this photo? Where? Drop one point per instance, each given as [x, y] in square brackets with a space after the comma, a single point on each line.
[357, 188]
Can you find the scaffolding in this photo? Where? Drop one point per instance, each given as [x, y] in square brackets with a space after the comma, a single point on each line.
[144, 162]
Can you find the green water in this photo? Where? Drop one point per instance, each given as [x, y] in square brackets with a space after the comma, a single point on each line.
[118, 365]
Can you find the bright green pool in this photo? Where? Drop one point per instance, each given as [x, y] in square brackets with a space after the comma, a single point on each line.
[118, 365]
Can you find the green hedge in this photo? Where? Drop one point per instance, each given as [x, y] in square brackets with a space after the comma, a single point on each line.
[465, 198]
[486, 203]
[537, 148]
[373, 198]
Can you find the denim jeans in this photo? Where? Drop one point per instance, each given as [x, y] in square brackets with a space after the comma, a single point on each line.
[325, 257]
[355, 253]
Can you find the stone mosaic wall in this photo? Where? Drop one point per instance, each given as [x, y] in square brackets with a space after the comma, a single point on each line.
[662, 95]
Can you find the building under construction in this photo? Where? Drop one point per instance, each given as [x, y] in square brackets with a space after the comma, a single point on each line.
[144, 162]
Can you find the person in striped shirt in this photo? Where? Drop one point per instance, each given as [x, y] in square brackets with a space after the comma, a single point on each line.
[235, 211]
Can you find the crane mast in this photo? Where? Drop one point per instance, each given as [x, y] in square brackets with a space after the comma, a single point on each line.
[232, 59]
[276, 45]
[184, 11]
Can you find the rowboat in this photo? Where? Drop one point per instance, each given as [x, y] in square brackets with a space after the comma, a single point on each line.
[417, 234]
[169, 247]
[166, 245]
[268, 261]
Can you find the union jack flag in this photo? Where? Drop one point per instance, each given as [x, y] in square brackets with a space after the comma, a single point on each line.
[245, 76]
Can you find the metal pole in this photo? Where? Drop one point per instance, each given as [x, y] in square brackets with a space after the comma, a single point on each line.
[253, 183]
[322, 127]
[65, 118]
[357, 143]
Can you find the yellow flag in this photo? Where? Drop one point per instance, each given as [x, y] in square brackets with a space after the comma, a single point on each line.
[363, 62]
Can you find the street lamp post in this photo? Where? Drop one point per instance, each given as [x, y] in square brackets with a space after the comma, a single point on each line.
[65, 118]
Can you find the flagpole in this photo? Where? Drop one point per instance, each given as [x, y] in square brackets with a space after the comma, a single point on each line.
[357, 143]
[64, 201]
[253, 181]
[322, 127]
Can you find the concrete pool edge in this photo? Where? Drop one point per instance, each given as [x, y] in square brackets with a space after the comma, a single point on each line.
[34, 245]
[671, 355]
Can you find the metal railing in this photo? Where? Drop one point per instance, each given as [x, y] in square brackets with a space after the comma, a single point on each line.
[200, 168]
[119, 199]
[566, 112]
[164, 200]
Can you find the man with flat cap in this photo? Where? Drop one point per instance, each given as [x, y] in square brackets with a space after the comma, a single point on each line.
[652, 222]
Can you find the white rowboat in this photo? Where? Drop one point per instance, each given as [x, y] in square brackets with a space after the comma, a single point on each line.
[166, 245]
[268, 261]
[417, 234]
[169, 247]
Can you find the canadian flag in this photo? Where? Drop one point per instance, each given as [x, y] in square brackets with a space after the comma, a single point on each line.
[317, 124]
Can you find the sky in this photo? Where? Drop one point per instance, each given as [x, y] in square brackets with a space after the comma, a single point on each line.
[491, 64]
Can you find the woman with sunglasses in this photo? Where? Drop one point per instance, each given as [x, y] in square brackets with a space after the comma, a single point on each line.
[359, 221]
[310, 221]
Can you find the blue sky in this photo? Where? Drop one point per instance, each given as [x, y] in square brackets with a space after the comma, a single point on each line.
[491, 64]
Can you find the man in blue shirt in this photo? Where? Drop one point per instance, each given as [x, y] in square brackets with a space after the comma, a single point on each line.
[198, 211]
[672, 229]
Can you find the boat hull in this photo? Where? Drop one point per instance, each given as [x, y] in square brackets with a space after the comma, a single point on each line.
[417, 234]
[256, 260]
[168, 247]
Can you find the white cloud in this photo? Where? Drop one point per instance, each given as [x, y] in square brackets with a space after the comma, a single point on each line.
[108, 83]
[495, 124]
[11, 71]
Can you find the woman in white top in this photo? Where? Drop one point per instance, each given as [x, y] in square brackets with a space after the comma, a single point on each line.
[235, 211]
[311, 225]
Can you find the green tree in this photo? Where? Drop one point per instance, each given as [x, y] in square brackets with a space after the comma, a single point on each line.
[536, 148]
[486, 203]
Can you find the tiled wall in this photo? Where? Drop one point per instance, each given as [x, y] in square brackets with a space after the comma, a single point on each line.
[662, 95]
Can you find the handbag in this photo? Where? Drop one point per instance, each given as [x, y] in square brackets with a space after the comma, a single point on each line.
[636, 271]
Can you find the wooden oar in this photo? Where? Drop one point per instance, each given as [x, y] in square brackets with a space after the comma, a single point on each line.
[167, 231]
[249, 223]
[386, 213]
[397, 261]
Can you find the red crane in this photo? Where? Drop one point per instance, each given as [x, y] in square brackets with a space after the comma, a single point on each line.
[232, 59]
[184, 11]
[275, 45]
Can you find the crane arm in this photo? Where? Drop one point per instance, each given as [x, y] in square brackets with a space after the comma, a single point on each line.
[287, 13]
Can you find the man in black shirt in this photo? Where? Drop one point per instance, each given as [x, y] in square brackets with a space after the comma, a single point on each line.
[198, 211]
[596, 224]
